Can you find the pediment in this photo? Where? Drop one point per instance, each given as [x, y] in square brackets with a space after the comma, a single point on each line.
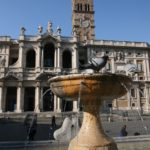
[48, 37]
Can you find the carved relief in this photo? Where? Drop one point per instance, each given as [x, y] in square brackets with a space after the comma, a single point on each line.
[119, 56]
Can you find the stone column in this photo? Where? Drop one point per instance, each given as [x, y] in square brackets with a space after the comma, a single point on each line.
[19, 98]
[113, 65]
[58, 104]
[55, 59]
[37, 98]
[38, 57]
[42, 57]
[55, 103]
[1, 97]
[147, 104]
[138, 99]
[41, 100]
[75, 60]
[59, 58]
[129, 99]
[21, 57]
[75, 106]
[147, 66]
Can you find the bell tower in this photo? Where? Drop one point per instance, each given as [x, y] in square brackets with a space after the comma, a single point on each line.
[83, 19]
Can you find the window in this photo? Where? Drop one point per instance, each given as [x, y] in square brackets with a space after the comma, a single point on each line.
[87, 7]
[30, 59]
[67, 59]
[142, 92]
[133, 94]
[49, 51]
[140, 65]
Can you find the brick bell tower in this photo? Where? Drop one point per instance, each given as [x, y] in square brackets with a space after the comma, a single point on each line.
[83, 19]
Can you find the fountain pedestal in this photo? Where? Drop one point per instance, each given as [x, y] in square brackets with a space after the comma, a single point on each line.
[91, 135]
[92, 90]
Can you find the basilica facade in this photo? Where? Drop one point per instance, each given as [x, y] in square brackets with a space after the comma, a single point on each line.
[28, 62]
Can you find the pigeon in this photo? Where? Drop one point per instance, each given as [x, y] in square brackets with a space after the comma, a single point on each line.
[131, 69]
[95, 63]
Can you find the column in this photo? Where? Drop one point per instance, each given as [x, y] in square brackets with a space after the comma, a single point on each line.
[147, 104]
[129, 99]
[21, 57]
[42, 57]
[38, 57]
[147, 66]
[55, 59]
[59, 58]
[75, 106]
[1, 99]
[41, 100]
[55, 103]
[138, 99]
[37, 98]
[145, 69]
[75, 60]
[19, 98]
[58, 104]
[113, 65]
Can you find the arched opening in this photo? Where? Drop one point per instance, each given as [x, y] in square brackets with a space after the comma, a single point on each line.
[67, 59]
[30, 59]
[49, 51]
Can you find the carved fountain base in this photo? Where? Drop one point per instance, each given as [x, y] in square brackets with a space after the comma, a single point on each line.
[91, 135]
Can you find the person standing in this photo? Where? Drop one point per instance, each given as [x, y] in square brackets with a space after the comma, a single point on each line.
[123, 131]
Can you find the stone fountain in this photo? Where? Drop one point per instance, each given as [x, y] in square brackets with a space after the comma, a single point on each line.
[93, 89]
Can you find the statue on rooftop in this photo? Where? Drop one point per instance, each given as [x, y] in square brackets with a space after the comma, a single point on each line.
[49, 27]
[22, 31]
[40, 29]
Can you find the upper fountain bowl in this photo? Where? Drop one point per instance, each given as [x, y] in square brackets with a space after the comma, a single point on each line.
[102, 86]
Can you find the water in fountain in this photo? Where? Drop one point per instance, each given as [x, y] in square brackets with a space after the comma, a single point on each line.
[139, 113]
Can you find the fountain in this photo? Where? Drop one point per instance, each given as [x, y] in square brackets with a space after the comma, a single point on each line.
[93, 89]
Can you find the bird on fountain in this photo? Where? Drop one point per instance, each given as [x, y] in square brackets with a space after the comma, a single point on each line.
[95, 63]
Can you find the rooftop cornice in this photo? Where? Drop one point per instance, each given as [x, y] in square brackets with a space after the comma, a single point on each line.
[121, 43]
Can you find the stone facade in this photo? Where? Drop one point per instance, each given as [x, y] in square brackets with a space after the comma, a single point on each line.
[27, 63]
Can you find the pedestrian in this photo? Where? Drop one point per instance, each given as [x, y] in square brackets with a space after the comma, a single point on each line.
[123, 131]
[53, 122]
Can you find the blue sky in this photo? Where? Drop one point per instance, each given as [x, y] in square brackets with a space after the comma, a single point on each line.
[127, 20]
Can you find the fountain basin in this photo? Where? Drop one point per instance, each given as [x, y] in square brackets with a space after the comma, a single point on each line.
[91, 90]
[105, 86]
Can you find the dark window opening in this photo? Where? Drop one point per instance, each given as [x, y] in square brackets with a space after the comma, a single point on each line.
[49, 55]
[30, 59]
[87, 7]
[67, 60]
[29, 99]
[11, 97]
